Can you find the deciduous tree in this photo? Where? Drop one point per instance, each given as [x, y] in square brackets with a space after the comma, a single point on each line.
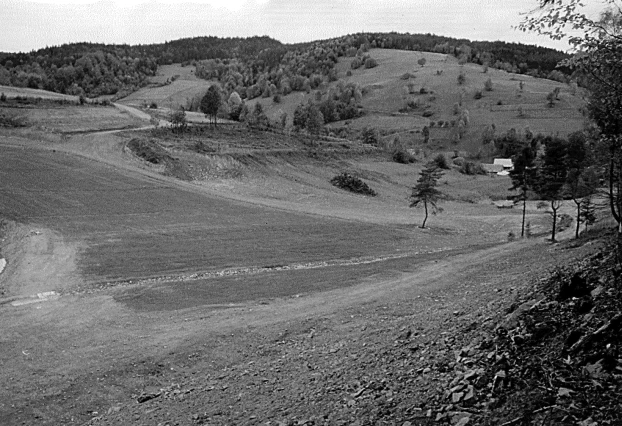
[581, 180]
[315, 120]
[551, 178]
[211, 103]
[178, 120]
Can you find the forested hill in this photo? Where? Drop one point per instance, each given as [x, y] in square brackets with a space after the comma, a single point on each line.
[102, 69]
[99, 69]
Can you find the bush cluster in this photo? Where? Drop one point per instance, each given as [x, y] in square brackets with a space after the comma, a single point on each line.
[470, 168]
[11, 119]
[353, 184]
[369, 136]
[441, 162]
[402, 156]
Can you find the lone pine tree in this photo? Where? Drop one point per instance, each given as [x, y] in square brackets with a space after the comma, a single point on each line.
[425, 192]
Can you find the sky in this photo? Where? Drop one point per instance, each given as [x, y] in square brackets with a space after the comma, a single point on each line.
[27, 25]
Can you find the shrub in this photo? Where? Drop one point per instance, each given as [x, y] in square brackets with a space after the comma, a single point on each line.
[349, 73]
[276, 99]
[521, 112]
[356, 63]
[488, 85]
[406, 76]
[441, 162]
[3, 97]
[458, 161]
[201, 147]
[353, 184]
[371, 63]
[149, 151]
[369, 136]
[10, 119]
[402, 156]
[470, 168]
[478, 94]
[153, 105]
[461, 78]
[423, 91]
[428, 113]
[178, 120]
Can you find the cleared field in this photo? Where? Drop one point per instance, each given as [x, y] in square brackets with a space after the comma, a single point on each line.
[173, 72]
[171, 96]
[12, 92]
[78, 119]
[137, 227]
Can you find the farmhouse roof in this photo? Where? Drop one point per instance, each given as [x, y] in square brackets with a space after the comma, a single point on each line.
[505, 162]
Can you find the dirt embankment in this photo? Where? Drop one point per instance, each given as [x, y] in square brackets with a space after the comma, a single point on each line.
[38, 261]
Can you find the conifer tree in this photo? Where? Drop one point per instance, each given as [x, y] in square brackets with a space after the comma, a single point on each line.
[425, 192]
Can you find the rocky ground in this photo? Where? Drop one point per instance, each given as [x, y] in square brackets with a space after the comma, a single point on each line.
[494, 348]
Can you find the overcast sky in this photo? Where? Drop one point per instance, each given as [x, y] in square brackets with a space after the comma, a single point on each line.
[27, 25]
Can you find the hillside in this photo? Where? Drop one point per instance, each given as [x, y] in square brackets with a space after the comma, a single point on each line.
[96, 69]
[217, 276]
[386, 101]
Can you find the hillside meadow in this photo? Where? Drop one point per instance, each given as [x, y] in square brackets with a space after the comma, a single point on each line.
[386, 97]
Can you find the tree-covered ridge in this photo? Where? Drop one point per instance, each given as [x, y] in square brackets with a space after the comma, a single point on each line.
[99, 69]
[82, 68]
[255, 66]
